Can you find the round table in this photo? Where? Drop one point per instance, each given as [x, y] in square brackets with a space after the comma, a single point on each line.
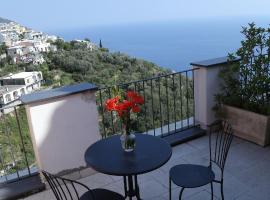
[108, 157]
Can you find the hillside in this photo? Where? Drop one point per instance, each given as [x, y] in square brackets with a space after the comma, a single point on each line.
[74, 62]
[3, 20]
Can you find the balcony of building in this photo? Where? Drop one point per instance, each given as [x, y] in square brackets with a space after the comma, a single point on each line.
[52, 129]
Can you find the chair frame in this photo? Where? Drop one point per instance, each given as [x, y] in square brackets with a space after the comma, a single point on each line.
[58, 189]
[224, 137]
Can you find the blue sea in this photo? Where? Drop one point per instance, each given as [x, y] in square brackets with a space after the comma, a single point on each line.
[173, 44]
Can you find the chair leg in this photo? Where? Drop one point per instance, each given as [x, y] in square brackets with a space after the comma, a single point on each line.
[212, 191]
[222, 193]
[181, 192]
[170, 189]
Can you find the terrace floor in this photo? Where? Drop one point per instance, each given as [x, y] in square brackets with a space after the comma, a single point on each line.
[247, 174]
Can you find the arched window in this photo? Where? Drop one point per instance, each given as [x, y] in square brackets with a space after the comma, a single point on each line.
[15, 94]
[34, 78]
[22, 91]
[8, 98]
[1, 100]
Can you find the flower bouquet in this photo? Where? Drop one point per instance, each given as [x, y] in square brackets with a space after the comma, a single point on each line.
[124, 105]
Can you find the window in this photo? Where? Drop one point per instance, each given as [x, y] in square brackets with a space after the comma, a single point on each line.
[39, 76]
[22, 91]
[1, 100]
[8, 98]
[15, 94]
[34, 78]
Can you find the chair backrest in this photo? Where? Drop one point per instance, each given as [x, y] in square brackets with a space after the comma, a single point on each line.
[65, 189]
[220, 139]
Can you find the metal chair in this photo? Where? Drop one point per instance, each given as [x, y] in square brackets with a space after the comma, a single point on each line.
[193, 176]
[65, 189]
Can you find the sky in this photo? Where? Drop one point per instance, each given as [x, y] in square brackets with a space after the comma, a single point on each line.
[65, 14]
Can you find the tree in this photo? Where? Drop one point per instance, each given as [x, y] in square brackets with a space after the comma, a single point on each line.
[100, 44]
[246, 83]
[3, 48]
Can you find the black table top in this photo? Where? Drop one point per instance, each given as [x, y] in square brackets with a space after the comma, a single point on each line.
[108, 157]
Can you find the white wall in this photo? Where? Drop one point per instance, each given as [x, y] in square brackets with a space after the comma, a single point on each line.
[62, 129]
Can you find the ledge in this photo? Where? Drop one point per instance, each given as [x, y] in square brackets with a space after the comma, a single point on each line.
[213, 62]
[58, 92]
[21, 188]
[182, 136]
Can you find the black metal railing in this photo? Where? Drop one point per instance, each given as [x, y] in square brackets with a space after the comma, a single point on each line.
[17, 158]
[168, 109]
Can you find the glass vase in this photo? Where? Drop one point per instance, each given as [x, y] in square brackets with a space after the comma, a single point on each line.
[128, 142]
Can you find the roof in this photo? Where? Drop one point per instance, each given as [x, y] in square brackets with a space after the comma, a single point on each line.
[213, 62]
[58, 92]
[19, 75]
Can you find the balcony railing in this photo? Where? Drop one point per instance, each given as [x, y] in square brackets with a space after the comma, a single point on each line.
[169, 105]
[17, 158]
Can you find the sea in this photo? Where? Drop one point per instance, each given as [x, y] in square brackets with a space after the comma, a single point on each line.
[170, 44]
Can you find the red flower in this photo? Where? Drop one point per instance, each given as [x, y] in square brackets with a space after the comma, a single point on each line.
[111, 104]
[134, 97]
[136, 109]
[123, 107]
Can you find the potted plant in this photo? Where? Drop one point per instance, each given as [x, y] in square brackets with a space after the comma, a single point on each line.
[245, 91]
[126, 105]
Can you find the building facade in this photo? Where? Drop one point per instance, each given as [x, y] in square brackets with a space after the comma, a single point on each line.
[14, 86]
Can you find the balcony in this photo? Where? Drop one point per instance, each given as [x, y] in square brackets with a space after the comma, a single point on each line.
[246, 174]
[52, 130]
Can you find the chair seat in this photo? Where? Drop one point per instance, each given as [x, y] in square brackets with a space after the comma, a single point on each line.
[191, 176]
[102, 194]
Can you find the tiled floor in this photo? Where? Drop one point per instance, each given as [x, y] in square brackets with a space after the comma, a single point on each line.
[247, 174]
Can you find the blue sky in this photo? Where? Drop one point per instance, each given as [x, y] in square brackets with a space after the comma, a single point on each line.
[62, 14]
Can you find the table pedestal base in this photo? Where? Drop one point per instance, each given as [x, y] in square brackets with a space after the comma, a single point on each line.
[131, 187]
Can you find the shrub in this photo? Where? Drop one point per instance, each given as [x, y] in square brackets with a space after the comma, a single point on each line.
[246, 84]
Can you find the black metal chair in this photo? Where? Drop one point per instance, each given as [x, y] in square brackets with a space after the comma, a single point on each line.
[65, 189]
[193, 176]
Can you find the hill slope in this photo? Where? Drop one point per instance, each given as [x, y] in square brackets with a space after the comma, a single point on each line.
[3, 20]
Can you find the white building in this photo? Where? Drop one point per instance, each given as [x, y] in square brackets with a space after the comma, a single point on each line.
[28, 51]
[2, 38]
[53, 38]
[89, 45]
[9, 37]
[14, 86]
[42, 46]
[5, 27]
[15, 53]
[33, 35]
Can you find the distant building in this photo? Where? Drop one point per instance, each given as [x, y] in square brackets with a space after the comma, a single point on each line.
[14, 86]
[2, 38]
[33, 35]
[53, 38]
[42, 46]
[8, 37]
[89, 45]
[15, 53]
[27, 51]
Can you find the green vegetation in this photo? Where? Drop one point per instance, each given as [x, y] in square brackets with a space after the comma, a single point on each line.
[74, 62]
[167, 99]
[3, 48]
[246, 84]
[14, 153]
